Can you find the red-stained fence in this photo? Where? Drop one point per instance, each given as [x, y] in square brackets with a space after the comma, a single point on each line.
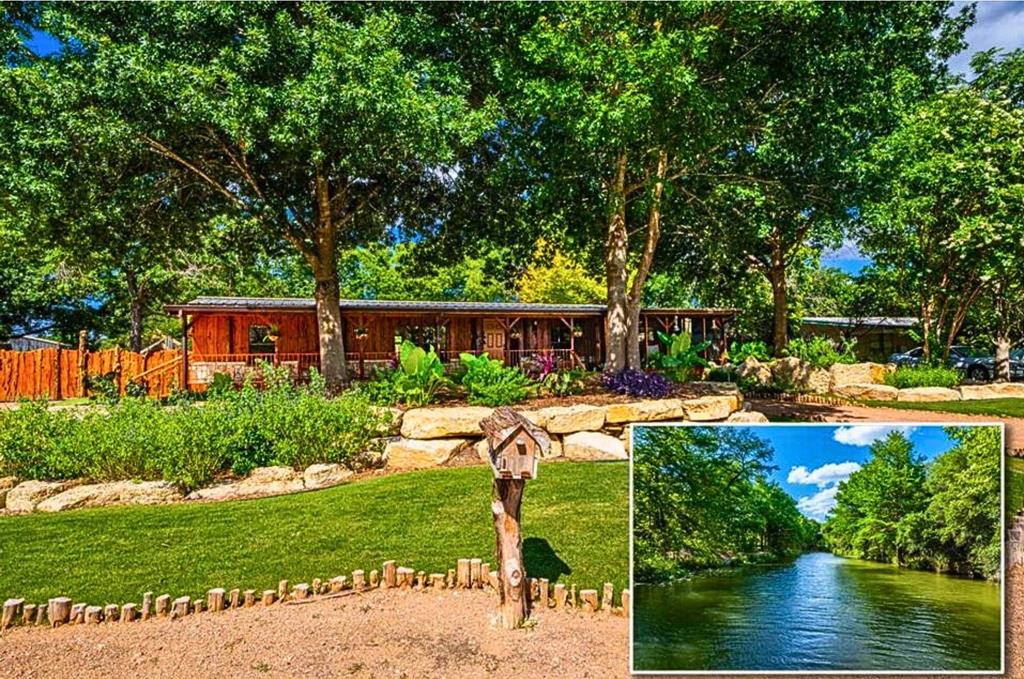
[57, 373]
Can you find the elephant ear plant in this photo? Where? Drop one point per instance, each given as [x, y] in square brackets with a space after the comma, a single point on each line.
[679, 357]
[419, 376]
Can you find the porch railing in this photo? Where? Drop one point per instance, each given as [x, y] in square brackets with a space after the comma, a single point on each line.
[202, 367]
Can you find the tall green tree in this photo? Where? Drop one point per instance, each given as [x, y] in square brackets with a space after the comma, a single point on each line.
[964, 510]
[615, 105]
[875, 501]
[700, 495]
[312, 120]
[789, 183]
[946, 217]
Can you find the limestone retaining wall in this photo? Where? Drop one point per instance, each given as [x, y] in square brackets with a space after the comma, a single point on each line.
[432, 436]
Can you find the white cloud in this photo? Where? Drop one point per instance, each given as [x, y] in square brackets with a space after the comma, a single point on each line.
[827, 478]
[866, 434]
[823, 476]
[818, 506]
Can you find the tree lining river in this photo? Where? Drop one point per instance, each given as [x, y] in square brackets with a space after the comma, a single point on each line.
[819, 612]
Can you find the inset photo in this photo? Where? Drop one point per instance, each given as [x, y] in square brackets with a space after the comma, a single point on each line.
[818, 548]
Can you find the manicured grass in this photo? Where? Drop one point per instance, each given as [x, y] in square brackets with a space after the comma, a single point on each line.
[575, 525]
[999, 407]
[1014, 487]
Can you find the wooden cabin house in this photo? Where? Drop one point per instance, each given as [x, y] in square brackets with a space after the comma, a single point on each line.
[231, 334]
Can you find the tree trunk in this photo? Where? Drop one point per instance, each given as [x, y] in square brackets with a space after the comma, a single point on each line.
[1002, 358]
[135, 304]
[615, 264]
[323, 259]
[332, 341]
[780, 310]
[646, 261]
[633, 335]
[508, 498]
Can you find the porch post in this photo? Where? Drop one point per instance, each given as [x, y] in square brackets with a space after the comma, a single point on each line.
[184, 350]
[645, 347]
[723, 344]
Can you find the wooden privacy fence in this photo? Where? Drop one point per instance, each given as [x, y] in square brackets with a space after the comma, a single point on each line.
[57, 373]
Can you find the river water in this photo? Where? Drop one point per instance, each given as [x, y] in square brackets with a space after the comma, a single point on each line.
[820, 612]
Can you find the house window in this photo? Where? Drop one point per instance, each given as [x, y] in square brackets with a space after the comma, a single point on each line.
[424, 336]
[259, 342]
[561, 337]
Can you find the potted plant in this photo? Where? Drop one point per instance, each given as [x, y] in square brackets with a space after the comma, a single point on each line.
[362, 333]
[273, 334]
[577, 331]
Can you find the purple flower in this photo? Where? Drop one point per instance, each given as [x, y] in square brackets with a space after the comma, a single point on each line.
[637, 383]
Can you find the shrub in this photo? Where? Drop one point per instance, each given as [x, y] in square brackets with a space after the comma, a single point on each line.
[380, 388]
[906, 377]
[564, 383]
[739, 352]
[638, 383]
[490, 383]
[190, 444]
[127, 440]
[538, 366]
[34, 442]
[820, 352]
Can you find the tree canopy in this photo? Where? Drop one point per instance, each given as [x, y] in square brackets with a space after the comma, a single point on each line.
[703, 496]
[943, 516]
[693, 153]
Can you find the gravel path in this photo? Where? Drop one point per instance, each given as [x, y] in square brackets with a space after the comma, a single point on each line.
[390, 635]
[814, 412]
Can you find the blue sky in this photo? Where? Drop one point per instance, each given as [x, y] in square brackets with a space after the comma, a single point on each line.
[813, 460]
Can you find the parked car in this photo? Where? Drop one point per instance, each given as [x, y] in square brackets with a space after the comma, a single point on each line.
[983, 368]
[913, 357]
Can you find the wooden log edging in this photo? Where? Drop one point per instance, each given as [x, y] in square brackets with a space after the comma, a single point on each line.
[467, 574]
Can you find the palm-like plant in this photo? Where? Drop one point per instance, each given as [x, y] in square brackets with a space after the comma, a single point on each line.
[679, 357]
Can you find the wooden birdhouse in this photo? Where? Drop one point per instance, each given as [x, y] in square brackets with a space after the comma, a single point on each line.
[515, 444]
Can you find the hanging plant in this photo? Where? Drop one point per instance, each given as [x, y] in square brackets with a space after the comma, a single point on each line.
[515, 334]
[577, 331]
[362, 333]
[273, 334]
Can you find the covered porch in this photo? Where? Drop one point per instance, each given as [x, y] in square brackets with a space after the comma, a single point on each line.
[234, 335]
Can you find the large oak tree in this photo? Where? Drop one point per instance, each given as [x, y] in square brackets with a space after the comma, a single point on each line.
[311, 120]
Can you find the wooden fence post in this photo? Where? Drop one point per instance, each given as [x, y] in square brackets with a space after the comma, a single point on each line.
[83, 361]
[118, 370]
[57, 394]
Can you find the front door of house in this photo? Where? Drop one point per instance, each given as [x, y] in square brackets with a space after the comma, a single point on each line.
[494, 339]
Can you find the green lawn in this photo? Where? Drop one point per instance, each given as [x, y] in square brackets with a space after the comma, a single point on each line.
[998, 407]
[1014, 486]
[575, 525]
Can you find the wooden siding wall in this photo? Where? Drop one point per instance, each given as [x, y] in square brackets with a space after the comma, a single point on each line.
[35, 374]
[221, 334]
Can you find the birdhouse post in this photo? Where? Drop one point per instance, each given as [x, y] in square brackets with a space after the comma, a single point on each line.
[515, 445]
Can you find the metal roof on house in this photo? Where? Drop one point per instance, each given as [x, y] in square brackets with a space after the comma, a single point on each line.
[298, 304]
[899, 322]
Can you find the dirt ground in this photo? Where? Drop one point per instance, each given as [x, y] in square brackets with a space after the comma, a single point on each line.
[393, 635]
[814, 412]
